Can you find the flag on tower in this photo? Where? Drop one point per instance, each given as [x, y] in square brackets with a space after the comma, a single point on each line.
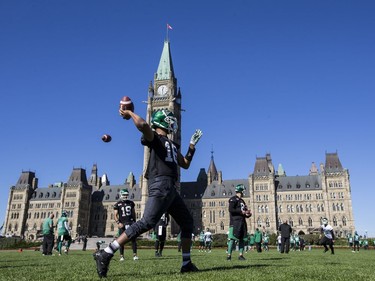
[169, 27]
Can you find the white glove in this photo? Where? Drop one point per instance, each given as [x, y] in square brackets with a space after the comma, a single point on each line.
[196, 137]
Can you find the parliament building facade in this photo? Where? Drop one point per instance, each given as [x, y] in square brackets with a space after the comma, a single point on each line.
[272, 195]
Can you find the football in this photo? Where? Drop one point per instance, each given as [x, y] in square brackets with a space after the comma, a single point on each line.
[248, 213]
[126, 104]
[106, 138]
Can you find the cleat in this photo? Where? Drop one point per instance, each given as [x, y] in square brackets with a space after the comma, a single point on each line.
[135, 258]
[241, 258]
[229, 258]
[190, 267]
[157, 254]
[122, 259]
[102, 259]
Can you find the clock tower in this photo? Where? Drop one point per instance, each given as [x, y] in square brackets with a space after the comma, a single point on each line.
[163, 93]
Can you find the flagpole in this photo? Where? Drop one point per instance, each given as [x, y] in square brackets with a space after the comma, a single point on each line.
[167, 32]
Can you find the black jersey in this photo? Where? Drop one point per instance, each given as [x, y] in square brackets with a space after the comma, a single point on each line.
[164, 220]
[126, 211]
[163, 157]
[236, 206]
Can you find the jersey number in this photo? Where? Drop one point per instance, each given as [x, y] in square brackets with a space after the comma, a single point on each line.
[126, 211]
[171, 153]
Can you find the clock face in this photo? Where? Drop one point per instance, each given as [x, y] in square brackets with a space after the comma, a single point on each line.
[163, 90]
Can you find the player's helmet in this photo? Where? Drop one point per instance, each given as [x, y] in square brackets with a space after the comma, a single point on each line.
[165, 119]
[324, 221]
[239, 188]
[64, 214]
[124, 193]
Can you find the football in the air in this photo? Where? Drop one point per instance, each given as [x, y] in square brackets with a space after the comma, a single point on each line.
[126, 104]
[106, 138]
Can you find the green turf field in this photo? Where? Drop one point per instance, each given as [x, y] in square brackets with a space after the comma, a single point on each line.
[306, 265]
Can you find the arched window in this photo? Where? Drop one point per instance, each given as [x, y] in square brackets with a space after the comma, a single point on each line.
[291, 222]
[268, 222]
[221, 226]
[112, 227]
[344, 220]
[259, 222]
[300, 221]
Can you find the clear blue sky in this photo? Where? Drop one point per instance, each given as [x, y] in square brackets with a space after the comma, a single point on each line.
[290, 78]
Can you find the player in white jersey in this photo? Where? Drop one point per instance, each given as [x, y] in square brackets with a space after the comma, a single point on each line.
[329, 236]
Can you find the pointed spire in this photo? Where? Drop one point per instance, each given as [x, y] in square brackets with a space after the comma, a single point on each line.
[212, 171]
[313, 169]
[281, 171]
[165, 68]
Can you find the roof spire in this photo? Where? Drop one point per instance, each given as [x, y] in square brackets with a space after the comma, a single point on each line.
[165, 69]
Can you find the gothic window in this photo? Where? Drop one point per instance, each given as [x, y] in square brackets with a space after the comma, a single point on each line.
[297, 208]
[266, 209]
[334, 221]
[322, 207]
[342, 206]
[47, 195]
[107, 197]
[41, 195]
[318, 208]
[291, 222]
[298, 185]
[344, 220]
[300, 222]
[112, 227]
[221, 226]
[301, 208]
[333, 207]
[267, 222]
[259, 222]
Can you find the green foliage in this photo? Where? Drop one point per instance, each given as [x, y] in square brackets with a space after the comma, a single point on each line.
[265, 266]
[220, 240]
[16, 243]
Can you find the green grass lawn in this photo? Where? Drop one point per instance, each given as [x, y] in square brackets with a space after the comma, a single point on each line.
[306, 265]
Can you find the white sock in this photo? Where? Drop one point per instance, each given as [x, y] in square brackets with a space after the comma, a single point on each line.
[112, 247]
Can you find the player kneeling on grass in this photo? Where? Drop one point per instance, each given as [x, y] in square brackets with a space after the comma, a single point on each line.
[63, 233]
[238, 227]
[161, 173]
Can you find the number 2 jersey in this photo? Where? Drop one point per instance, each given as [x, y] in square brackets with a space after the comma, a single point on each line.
[126, 211]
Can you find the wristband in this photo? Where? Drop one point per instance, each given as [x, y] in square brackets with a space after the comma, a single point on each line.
[189, 155]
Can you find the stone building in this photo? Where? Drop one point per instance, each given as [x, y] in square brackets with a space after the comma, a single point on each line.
[272, 195]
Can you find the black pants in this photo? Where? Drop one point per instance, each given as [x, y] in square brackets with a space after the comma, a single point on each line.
[259, 247]
[48, 241]
[285, 242]
[326, 241]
